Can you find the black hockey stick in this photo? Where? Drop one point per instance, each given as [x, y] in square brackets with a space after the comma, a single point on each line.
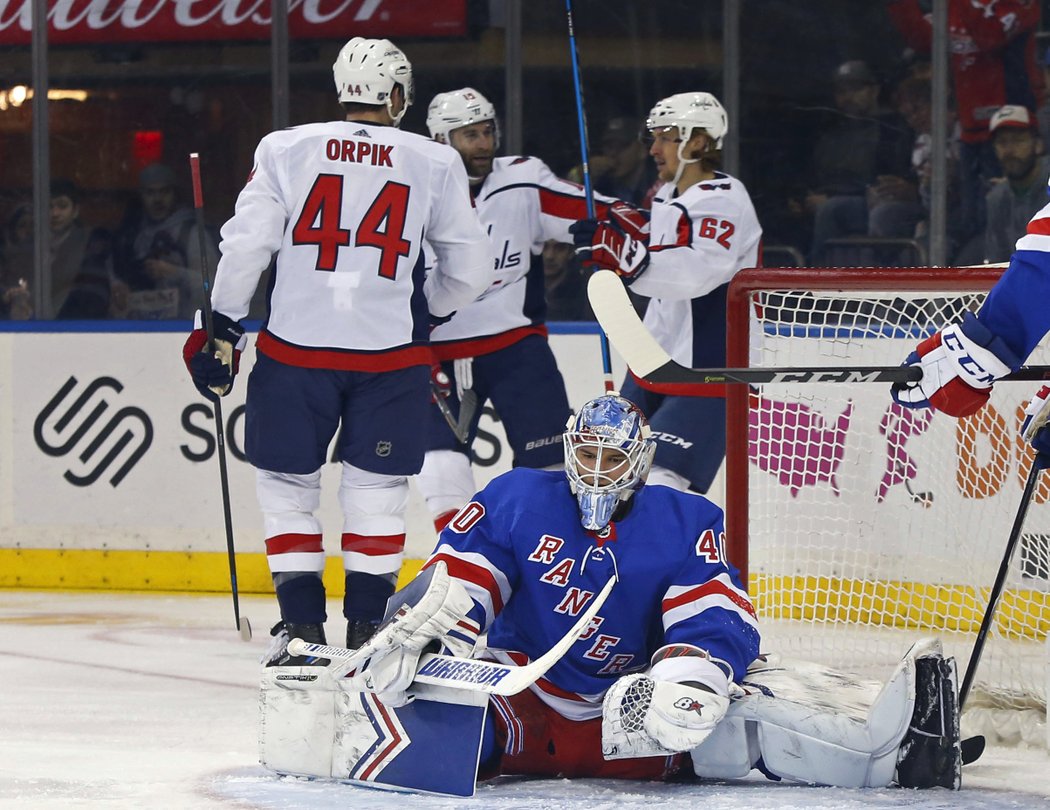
[1000, 579]
[656, 371]
[243, 626]
[973, 747]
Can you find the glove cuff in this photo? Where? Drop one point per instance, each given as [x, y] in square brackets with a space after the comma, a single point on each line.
[986, 339]
[978, 357]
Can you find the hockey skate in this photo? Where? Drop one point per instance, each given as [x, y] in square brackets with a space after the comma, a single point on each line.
[358, 631]
[283, 632]
[931, 754]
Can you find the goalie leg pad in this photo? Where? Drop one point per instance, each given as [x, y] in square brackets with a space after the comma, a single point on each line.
[811, 741]
[428, 745]
[297, 720]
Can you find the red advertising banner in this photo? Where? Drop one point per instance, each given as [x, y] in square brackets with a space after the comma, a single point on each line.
[72, 22]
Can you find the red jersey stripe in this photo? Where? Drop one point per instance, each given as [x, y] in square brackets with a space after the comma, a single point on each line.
[475, 574]
[712, 588]
[476, 347]
[342, 359]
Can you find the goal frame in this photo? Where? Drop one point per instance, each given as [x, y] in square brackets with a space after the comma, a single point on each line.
[738, 321]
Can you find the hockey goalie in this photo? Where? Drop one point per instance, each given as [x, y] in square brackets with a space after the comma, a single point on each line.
[657, 673]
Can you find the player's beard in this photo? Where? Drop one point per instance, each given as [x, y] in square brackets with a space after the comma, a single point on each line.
[479, 167]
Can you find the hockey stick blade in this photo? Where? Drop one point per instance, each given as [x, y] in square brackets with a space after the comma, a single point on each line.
[656, 371]
[466, 673]
[971, 749]
[467, 405]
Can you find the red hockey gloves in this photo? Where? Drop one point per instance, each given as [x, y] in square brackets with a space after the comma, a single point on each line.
[633, 221]
[1035, 430]
[608, 246]
[959, 366]
[213, 373]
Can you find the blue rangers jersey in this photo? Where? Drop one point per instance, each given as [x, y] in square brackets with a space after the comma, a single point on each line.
[1018, 307]
[531, 568]
[521, 204]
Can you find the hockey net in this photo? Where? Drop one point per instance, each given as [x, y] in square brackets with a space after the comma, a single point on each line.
[864, 525]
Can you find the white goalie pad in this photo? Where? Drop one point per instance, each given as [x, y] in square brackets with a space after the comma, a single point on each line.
[642, 717]
[814, 730]
[297, 720]
[312, 724]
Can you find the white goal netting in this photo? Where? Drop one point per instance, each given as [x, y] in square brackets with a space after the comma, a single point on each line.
[869, 525]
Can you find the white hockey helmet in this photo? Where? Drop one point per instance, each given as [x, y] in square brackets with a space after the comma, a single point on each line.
[459, 108]
[688, 111]
[366, 71]
[609, 422]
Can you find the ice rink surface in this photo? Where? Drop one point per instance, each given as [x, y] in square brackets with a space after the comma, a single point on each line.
[149, 701]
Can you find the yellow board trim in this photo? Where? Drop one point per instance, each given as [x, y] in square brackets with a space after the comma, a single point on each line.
[196, 571]
[907, 605]
[1022, 613]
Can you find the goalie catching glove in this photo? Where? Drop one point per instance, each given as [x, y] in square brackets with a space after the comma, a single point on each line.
[213, 373]
[610, 247]
[959, 366]
[643, 717]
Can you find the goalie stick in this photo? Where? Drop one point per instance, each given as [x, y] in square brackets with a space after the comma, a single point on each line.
[656, 371]
[467, 673]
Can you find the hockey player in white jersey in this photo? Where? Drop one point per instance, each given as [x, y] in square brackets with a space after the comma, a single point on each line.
[345, 206]
[666, 681]
[702, 232]
[496, 347]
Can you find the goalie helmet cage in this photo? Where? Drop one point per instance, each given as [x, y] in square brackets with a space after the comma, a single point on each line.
[860, 525]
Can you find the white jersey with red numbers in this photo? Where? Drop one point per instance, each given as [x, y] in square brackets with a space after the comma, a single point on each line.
[346, 207]
[521, 205]
[698, 241]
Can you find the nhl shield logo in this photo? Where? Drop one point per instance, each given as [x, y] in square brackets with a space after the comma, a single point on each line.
[383, 449]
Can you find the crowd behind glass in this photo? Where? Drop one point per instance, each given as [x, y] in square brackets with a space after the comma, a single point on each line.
[834, 144]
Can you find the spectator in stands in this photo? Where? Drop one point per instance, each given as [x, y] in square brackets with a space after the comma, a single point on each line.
[862, 151]
[565, 283]
[1043, 112]
[1014, 200]
[157, 251]
[914, 102]
[621, 169]
[16, 264]
[992, 46]
[80, 260]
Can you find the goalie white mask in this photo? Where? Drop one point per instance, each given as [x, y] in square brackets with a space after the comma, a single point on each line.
[366, 71]
[459, 108]
[608, 453]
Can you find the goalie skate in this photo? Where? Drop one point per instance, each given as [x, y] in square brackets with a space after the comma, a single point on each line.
[931, 753]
